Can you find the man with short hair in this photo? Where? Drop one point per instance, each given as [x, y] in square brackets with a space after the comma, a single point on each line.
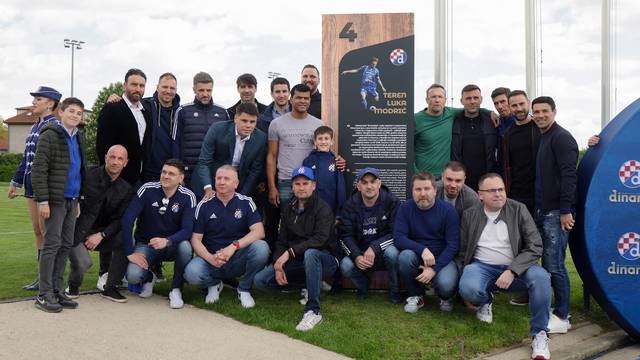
[247, 85]
[98, 227]
[192, 121]
[164, 211]
[519, 149]
[290, 141]
[433, 129]
[426, 233]
[499, 249]
[451, 188]
[125, 122]
[474, 137]
[555, 196]
[500, 99]
[303, 253]
[366, 234]
[227, 238]
[310, 76]
[237, 143]
[280, 92]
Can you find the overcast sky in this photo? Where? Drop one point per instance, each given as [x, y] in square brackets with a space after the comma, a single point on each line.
[228, 38]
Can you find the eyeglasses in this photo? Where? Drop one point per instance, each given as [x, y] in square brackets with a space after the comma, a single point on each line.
[163, 208]
[493, 191]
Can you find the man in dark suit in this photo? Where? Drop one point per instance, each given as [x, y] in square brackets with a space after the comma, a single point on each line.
[125, 122]
[237, 143]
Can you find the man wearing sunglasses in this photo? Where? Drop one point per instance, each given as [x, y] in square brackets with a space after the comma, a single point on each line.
[165, 211]
[499, 249]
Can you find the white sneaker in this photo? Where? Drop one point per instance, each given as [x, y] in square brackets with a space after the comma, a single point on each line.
[304, 294]
[540, 347]
[309, 321]
[446, 305]
[213, 295]
[146, 289]
[557, 325]
[414, 303]
[102, 280]
[246, 300]
[325, 286]
[175, 299]
[485, 313]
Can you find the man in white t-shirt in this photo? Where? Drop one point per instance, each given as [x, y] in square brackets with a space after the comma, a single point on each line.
[499, 249]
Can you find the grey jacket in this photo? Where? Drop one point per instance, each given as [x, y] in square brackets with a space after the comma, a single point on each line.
[526, 242]
[467, 198]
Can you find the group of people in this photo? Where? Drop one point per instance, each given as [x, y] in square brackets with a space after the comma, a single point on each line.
[237, 185]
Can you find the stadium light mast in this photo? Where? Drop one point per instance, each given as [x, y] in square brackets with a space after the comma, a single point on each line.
[443, 39]
[73, 44]
[605, 91]
[532, 58]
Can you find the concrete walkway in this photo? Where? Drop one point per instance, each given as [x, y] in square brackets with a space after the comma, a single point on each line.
[139, 329]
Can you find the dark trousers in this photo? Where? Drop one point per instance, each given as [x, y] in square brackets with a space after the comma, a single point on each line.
[58, 240]
[81, 261]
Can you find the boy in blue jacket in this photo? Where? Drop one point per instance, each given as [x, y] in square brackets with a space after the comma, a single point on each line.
[330, 181]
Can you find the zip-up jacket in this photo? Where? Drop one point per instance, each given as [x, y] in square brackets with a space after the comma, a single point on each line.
[490, 140]
[30, 145]
[161, 142]
[351, 227]
[506, 165]
[466, 197]
[51, 164]
[330, 184]
[313, 228]
[192, 123]
[266, 117]
[232, 110]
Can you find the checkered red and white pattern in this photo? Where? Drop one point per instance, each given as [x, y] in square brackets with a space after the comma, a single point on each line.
[398, 57]
[627, 241]
[629, 169]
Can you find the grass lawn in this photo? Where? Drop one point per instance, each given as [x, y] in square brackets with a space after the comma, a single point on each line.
[369, 329]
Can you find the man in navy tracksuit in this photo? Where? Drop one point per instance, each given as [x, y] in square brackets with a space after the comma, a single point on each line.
[427, 233]
[330, 181]
[165, 212]
[366, 234]
[192, 123]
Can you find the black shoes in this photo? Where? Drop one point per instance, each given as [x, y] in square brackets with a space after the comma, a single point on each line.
[72, 292]
[114, 295]
[65, 301]
[48, 303]
[34, 286]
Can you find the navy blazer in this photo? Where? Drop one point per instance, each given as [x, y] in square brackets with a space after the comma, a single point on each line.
[217, 150]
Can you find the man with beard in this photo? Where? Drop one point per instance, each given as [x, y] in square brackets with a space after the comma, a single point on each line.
[311, 77]
[247, 86]
[451, 188]
[192, 123]
[426, 233]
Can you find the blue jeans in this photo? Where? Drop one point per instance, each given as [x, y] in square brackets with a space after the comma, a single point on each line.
[478, 282]
[308, 273]
[445, 282]
[554, 246]
[179, 253]
[387, 260]
[245, 263]
[284, 188]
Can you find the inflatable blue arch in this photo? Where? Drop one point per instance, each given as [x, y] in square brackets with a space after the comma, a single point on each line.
[605, 244]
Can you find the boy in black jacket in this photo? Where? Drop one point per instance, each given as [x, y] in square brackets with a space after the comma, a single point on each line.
[58, 169]
[366, 234]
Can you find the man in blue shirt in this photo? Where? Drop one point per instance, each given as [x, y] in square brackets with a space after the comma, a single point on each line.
[227, 239]
[427, 234]
[164, 211]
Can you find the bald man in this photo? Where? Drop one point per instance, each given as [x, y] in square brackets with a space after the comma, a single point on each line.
[98, 227]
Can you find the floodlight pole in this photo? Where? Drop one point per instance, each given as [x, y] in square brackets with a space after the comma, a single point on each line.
[73, 44]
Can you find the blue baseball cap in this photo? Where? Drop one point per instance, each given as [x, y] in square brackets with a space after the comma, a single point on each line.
[365, 171]
[303, 171]
[48, 92]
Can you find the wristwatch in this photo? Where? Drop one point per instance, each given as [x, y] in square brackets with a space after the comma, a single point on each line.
[169, 243]
[236, 243]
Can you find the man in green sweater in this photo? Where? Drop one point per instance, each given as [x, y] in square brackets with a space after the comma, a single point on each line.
[433, 125]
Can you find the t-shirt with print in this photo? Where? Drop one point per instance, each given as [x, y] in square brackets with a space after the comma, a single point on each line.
[295, 141]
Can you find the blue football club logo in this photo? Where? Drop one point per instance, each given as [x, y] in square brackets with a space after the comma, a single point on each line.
[629, 246]
[630, 174]
[398, 57]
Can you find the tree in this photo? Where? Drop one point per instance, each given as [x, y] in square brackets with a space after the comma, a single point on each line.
[92, 122]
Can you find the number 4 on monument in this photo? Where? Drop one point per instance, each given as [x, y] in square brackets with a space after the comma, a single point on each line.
[348, 33]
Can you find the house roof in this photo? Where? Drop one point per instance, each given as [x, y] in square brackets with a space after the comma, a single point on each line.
[23, 118]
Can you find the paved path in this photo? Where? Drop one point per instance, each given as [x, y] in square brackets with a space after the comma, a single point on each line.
[139, 329]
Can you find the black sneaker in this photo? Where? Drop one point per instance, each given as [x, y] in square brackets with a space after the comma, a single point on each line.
[72, 292]
[114, 295]
[34, 286]
[65, 301]
[48, 303]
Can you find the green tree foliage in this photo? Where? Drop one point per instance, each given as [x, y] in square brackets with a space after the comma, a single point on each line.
[92, 122]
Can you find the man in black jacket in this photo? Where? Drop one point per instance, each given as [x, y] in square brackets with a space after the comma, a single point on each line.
[98, 227]
[303, 251]
[555, 193]
[474, 138]
[366, 234]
